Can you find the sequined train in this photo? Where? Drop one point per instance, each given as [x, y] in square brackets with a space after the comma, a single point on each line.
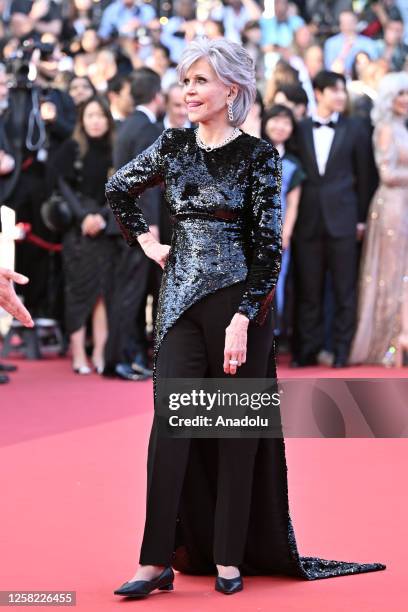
[225, 205]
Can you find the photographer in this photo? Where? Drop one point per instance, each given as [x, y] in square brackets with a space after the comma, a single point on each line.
[38, 118]
[7, 161]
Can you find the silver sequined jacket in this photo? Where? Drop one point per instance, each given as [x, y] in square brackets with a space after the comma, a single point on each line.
[225, 206]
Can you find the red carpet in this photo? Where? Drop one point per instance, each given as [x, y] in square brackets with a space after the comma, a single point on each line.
[73, 451]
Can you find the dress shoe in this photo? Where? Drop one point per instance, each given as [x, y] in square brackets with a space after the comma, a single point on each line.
[229, 585]
[340, 362]
[141, 368]
[4, 379]
[142, 588]
[7, 367]
[303, 362]
[340, 359]
[123, 371]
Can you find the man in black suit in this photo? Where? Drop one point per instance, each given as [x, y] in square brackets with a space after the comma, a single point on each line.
[336, 154]
[126, 342]
[119, 94]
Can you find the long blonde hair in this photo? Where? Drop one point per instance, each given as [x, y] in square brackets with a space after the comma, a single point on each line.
[391, 85]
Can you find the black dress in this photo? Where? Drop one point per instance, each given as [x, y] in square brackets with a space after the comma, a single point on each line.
[225, 205]
[87, 261]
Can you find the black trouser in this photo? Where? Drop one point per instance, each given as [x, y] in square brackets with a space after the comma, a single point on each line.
[139, 344]
[194, 348]
[126, 298]
[312, 258]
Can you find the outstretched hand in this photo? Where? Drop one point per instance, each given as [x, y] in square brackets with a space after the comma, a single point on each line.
[235, 343]
[8, 298]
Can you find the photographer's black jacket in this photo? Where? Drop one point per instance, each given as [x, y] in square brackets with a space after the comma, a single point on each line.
[16, 124]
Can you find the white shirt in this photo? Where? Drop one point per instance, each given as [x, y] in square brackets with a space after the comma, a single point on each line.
[149, 114]
[166, 122]
[323, 140]
[281, 149]
[167, 125]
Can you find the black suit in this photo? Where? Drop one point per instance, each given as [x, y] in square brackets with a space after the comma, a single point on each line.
[126, 311]
[135, 135]
[325, 233]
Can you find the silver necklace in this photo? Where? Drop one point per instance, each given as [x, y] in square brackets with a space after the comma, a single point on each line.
[202, 145]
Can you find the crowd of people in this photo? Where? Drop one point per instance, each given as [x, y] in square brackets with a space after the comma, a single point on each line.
[86, 86]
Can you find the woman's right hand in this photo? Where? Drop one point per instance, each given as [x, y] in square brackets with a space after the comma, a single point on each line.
[158, 252]
[153, 248]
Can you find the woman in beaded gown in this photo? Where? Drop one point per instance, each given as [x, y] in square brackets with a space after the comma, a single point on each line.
[214, 505]
[382, 315]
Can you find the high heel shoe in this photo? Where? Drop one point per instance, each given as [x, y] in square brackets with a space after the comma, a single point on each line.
[142, 588]
[229, 585]
[98, 368]
[82, 369]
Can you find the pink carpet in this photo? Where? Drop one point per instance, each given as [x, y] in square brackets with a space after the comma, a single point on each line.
[72, 478]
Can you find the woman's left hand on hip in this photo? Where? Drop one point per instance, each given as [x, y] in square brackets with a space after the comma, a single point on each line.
[235, 343]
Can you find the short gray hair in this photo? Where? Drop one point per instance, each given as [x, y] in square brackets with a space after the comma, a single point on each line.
[390, 86]
[233, 66]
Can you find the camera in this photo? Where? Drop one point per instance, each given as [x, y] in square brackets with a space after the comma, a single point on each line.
[18, 64]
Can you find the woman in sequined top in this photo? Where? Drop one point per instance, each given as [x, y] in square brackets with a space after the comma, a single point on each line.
[214, 504]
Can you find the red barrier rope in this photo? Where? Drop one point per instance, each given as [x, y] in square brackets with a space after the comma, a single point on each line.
[43, 244]
[37, 240]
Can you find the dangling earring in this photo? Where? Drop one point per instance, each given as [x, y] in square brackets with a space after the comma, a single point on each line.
[230, 112]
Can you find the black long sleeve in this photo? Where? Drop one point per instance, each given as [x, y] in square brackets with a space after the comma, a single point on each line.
[267, 236]
[124, 188]
[364, 169]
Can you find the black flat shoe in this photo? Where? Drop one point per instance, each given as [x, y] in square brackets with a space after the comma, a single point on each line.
[142, 588]
[123, 371]
[140, 364]
[7, 367]
[303, 362]
[142, 369]
[229, 585]
[4, 379]
[339, 362]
